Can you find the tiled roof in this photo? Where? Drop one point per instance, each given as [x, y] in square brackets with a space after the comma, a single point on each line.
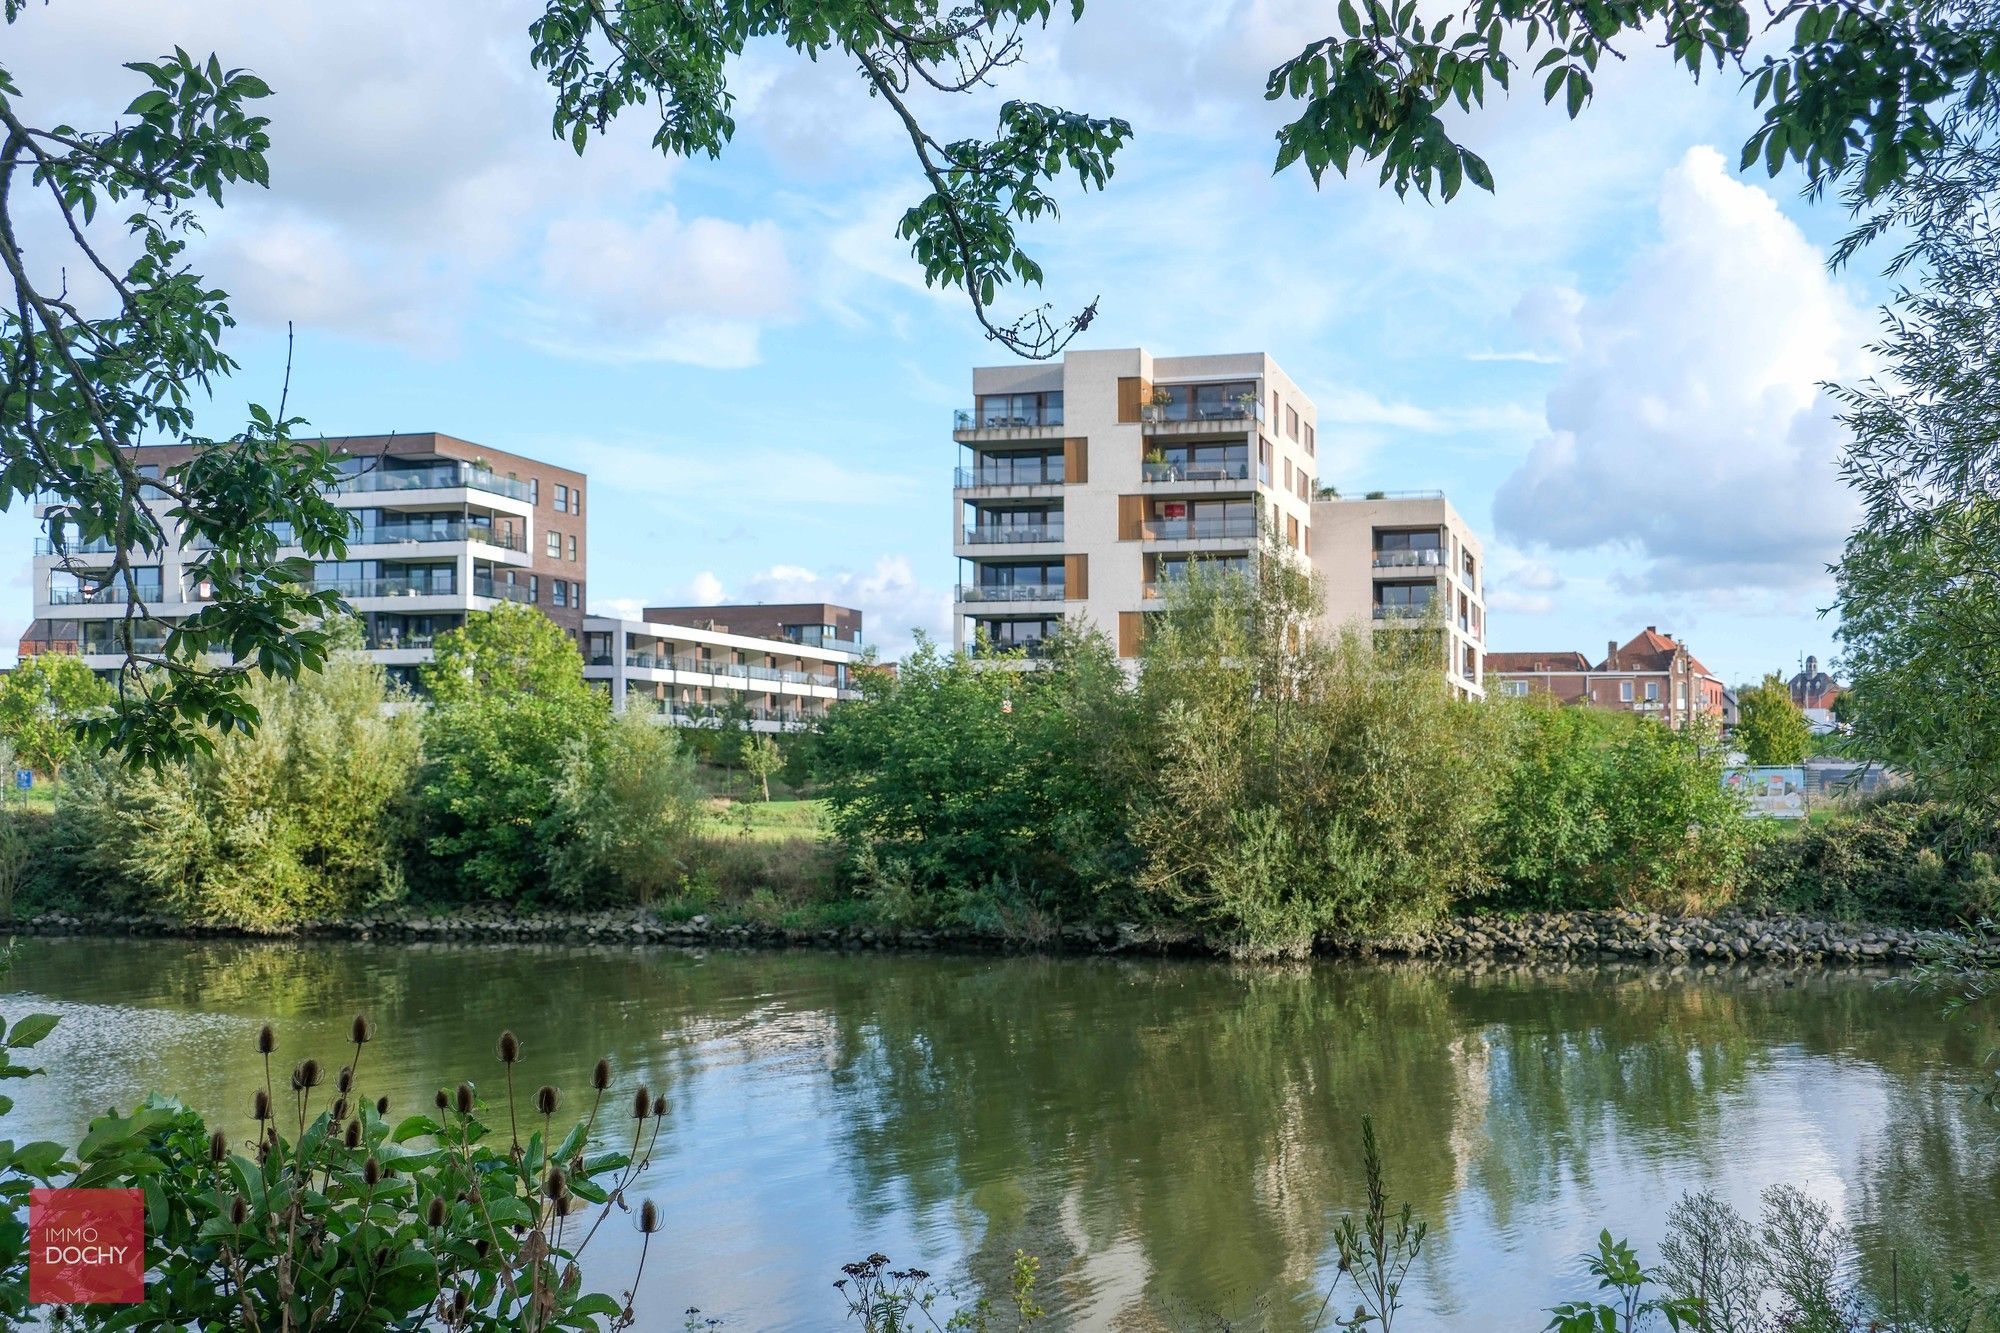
[1650, 650]
[1503, 663]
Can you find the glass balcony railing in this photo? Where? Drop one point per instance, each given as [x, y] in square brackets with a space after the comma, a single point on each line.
[385, 587]
[1023, 472]
[1225, 412]
[1407, 611]
[391, 534]
[1010, 592]
[1236, 470]
[812, 636]
[1424, 558]
[1201, 529]
[995, 534]
[148, 592]
[441, 477]
[733, 670]
[1032, 649]
[393, 642]
[144, 643]
[506, 592]
[1017, 417]
[95, 546]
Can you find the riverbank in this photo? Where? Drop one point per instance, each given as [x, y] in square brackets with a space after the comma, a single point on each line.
[1597, 935]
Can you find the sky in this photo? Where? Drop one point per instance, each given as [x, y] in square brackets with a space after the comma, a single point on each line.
[1612, 364]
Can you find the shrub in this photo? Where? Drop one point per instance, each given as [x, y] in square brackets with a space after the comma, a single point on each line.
[1898, 857]
[1304, 785]
[1599, 809]
[300, 820]
[623, 812]
[989, 789]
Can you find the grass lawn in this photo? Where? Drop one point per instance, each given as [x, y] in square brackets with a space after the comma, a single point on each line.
[764, 821]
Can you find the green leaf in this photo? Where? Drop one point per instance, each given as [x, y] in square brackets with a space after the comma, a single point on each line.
[148, 102]
[30, 1030]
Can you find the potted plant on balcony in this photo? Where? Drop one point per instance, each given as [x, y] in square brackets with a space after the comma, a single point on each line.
[1247, 402]
[1157, 468]
[1155, 406]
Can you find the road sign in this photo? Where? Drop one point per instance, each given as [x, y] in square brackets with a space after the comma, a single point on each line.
[24, 778]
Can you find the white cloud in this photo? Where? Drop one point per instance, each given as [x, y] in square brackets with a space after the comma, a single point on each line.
[893, 604]
[660, 289]
[1689, 425]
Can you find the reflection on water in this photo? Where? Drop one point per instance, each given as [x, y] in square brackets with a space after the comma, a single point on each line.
[1175, 1139]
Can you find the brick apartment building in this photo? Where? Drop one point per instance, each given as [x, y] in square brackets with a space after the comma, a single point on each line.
[1653, 674]
[441, 527]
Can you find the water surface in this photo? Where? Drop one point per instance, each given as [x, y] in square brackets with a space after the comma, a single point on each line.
[1175, 1139]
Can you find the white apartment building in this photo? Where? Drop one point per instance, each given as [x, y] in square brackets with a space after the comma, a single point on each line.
[687, 665]
[1086, 485]
[1389, 559]
[441, 527]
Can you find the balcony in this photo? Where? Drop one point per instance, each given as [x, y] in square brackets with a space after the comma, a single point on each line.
[147, 644]
[1431, 558]
[444, 476]
[483, 586]
[1409, 613]
[1013, 534]
[733, 670]
[393, 642]
[1020, 417]
[1202, 413]
[112, 596]
[1238, 526]
[813, 636]
[1192, 472]
[1009, 592]
[1023, 472]
[392, 534]
[383, 587]
[95, 546]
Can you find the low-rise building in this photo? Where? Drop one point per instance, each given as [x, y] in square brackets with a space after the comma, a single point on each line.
[776, 667]
[1405, 561]
[1653, 674]
[441, 527]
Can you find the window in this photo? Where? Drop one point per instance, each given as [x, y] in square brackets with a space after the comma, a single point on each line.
[1404, 596]
[552, 544]
[572, 548]
[562, 498]
[576, 595]
[149, 471]
[558, 592]
[576, 501]
[1652, 691]
[1309, 438]
[998, 410]
[1292, 422]
[534, 587]
[1517, 688]
[534, 490]
[1288, 474]
[1681, 696]
[1625, 691]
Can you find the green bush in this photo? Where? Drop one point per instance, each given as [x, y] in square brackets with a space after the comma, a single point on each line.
[1601, 809]
[1899, 857]
[300, 820]
[623, 815]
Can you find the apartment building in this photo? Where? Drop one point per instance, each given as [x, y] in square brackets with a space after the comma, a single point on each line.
[1088, 485]
[1654, 674]
[784, 664]
[441, 527]
[1406, 560]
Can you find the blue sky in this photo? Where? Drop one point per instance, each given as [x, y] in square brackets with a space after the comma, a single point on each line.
[1611, 364]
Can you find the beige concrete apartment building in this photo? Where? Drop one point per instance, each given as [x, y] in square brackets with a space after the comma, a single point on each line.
[781, 665]
[1086, 485]
[1391, 560]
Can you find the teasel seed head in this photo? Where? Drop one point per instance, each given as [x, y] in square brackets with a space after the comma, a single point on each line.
[557, 1183]
[371, 1173]
[239, 1211]
[218, 1146]
[261, 1105]
[353, 1136]
[267, 1040]
[462, 1298]
[565, 1205]
[600, 1077]
[481, 1246]
[364, 1031]
[545, 1099]
[660, 1106]
[443, 1100]
[381, 1106]
[339, 1109]
[649, 1217]
[309, 1073]
[510, 1048]
[464, 1099]
[434, 1215]
[642, 1103]
[343, 1082]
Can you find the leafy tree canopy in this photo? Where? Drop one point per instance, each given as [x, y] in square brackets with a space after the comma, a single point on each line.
[44, 705]
[1771, 728]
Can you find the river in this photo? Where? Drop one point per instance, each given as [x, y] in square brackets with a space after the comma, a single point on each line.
[1175, 1139]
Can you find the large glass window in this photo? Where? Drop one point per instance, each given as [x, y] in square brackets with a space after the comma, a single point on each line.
[1404, 596]
[997, 410]
[1198, 462]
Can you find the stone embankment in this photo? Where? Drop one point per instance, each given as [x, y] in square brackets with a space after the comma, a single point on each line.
[1576, 936]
